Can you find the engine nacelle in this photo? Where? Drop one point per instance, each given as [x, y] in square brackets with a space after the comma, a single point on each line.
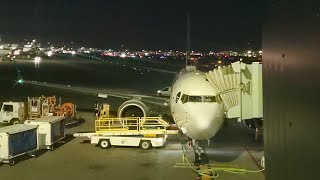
[133, 108]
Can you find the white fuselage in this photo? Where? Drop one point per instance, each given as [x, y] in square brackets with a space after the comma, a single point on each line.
[194, 107]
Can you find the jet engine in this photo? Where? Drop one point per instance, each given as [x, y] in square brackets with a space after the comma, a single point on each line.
[133, 108]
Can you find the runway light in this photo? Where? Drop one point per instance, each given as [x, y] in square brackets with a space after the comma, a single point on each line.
[37, 59]
[50, 53]
[20, 81]
[123, 55]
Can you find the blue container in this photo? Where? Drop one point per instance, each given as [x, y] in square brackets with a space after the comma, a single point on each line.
[17, 140]
[22, 142]
[51, 130]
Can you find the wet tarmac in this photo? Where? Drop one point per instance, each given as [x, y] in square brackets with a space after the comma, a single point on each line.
[77, 159]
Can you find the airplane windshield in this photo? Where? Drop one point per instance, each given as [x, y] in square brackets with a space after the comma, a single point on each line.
[184, 98]
[208, 99]
[195, 99]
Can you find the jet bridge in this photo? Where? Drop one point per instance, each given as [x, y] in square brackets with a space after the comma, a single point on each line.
[239, 86]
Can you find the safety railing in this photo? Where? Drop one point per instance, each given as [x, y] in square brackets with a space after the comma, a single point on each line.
[152, 123]
[130, 124]
[116, 124]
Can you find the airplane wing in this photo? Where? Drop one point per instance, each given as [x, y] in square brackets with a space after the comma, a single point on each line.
[161, 70]
[103, 93]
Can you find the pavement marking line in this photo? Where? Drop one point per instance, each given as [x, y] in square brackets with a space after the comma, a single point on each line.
[206, 171]
[255, 161]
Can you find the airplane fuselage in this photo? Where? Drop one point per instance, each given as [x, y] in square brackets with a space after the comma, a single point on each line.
[194, 107]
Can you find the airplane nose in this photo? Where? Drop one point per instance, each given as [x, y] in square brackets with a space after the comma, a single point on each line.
[204, 125]
[195, 127]
[203, 128]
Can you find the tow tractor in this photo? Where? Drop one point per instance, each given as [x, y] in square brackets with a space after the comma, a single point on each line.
[34, 108]
[12, 112]
[144, 132]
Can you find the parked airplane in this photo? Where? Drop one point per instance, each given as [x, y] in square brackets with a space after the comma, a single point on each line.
[193, 105]
[196, 111]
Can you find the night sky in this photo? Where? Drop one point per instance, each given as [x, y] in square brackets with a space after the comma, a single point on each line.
[136, 24]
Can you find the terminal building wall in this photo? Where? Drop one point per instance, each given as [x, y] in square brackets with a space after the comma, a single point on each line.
[291, 85]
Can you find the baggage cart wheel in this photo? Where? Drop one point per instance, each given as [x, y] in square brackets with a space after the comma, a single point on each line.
[12, 162]
[145, 145]
[104, 143]
[34, 155]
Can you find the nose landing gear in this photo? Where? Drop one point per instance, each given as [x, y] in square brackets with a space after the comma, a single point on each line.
[200, 155]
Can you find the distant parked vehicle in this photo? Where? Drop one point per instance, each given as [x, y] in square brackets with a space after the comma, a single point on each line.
[164, 92]
[12, 112]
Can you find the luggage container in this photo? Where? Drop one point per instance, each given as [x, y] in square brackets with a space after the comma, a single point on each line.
[18, 140]
[51, 130]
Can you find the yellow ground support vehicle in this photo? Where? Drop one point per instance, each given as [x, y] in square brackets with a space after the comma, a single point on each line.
[145, 132]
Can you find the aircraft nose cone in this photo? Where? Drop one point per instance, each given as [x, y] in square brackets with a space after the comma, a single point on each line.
[204, 125]
[203, 129]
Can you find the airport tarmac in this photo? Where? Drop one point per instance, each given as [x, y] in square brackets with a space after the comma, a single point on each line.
[231, 147]
[78, 159]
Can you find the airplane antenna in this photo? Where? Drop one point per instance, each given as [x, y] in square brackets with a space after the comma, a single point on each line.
[188, 39]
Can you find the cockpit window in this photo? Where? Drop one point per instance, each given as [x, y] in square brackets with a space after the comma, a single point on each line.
[209, 99]
[184, 98]
[195, 99]
[178, 97]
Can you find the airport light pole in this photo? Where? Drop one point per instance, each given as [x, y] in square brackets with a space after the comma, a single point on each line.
[188, 39]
